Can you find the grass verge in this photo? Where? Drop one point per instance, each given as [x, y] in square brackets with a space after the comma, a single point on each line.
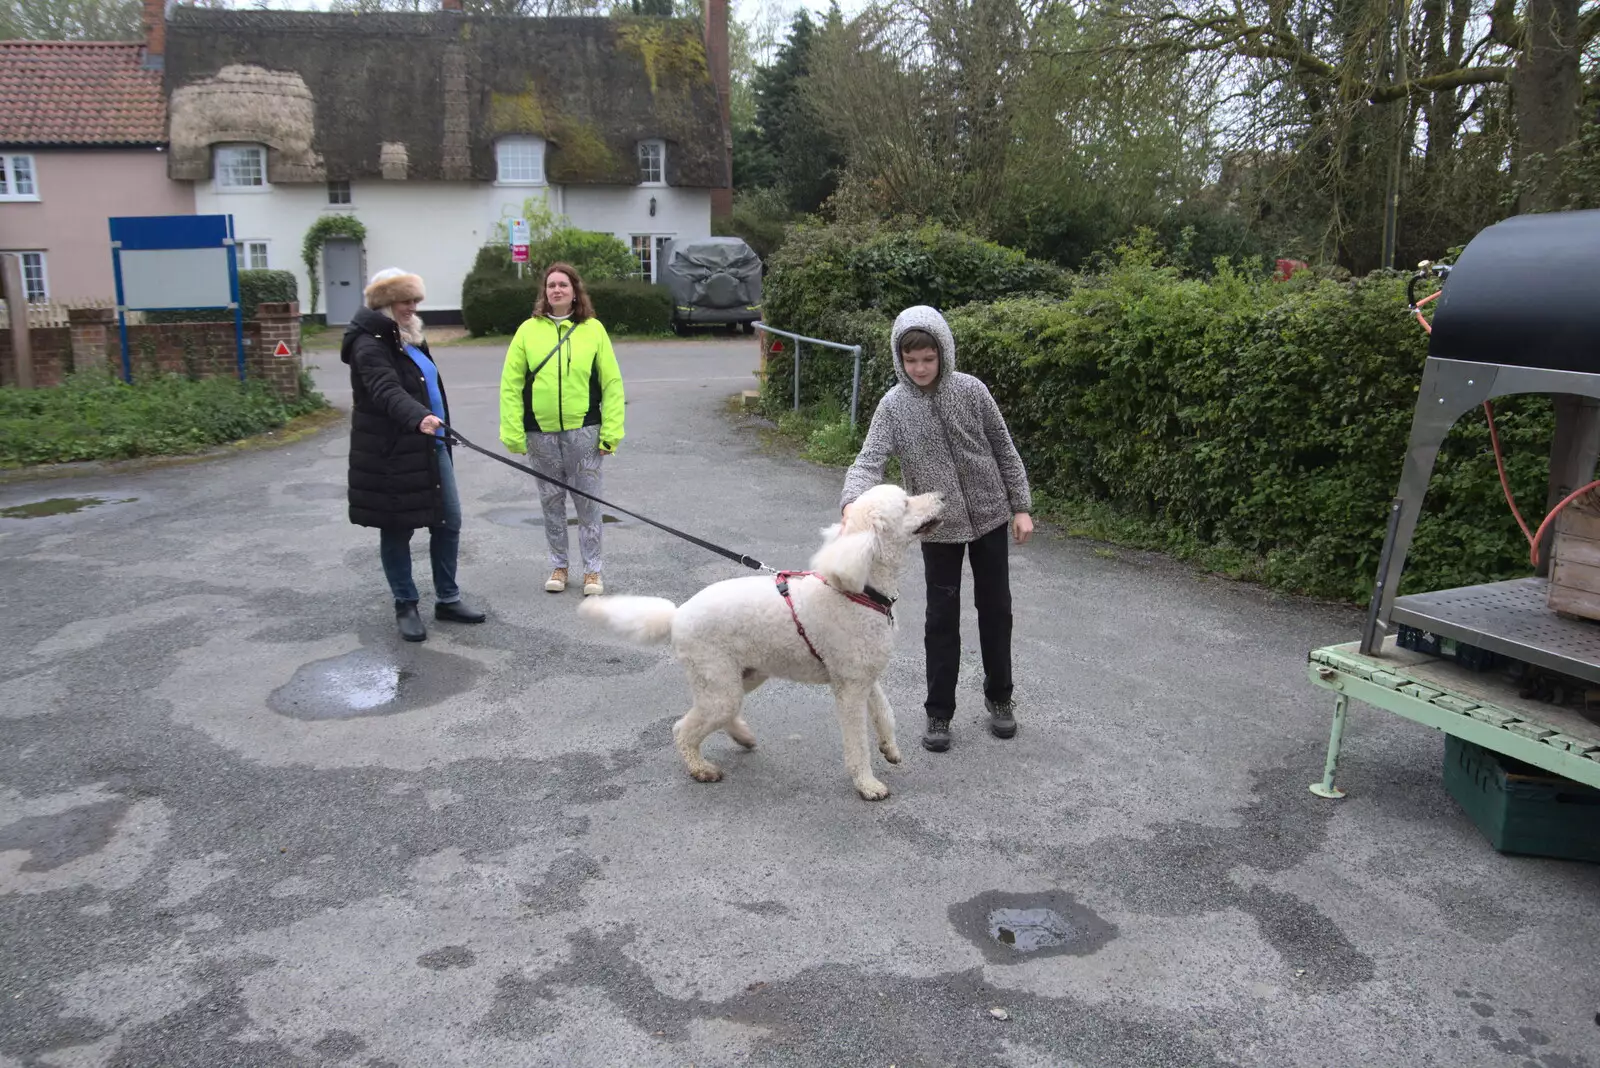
[97, 417]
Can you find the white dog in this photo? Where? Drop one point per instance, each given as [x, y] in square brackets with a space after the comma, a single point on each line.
[833, 625]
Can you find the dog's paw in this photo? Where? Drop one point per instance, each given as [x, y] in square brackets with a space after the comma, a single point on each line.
[890, 751]
[709, 773]
[872, 790]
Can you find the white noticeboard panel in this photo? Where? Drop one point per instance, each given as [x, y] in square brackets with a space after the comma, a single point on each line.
[176, 278]
[519, 232]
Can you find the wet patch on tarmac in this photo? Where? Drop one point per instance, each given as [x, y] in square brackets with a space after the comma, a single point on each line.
[1012, 927]
[373, 682]
[52, 841]
[448, 957]
[58, 506]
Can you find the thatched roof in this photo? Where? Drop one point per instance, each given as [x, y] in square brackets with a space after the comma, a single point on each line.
[424, 96]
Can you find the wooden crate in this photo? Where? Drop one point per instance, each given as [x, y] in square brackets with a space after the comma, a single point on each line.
[1575, 550]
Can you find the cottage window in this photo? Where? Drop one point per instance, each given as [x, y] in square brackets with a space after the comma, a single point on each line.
[35, 283]
[16, 178]
[652, 163]
[520, 160]
[241, 166]
[650, 253]
[255, 255]
[338, 192]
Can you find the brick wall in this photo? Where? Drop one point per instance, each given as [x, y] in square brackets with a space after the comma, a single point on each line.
[52, 356]
[194, 350]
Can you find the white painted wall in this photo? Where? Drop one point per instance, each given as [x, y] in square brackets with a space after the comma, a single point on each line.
[436, 228]
[625, 210]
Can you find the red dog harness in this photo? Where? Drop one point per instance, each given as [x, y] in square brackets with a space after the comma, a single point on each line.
[868, 598]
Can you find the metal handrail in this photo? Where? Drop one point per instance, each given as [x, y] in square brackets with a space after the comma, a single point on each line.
[801, 339]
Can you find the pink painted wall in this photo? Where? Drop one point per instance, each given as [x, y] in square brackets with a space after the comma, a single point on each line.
[78, 192]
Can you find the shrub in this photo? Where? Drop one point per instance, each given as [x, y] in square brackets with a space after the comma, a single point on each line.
[1265, 421]
[93, 416]
[632, 307]
[597, 257]
[255, 288]
[824, 271]
[494, 304]
[491, 304]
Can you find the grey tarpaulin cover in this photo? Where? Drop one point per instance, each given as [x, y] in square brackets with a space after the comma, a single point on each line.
[714, 274]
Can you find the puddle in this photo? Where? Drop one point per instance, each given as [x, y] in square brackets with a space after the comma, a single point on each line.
[1011, 928]
[58, 506]
[533, 517]
[371, 682]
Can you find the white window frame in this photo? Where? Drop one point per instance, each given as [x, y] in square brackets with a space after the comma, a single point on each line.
[9, 184]
[349, 195]
[652, 156]
[653, 249]
[223, 159]
[516, 168]
[248, 246]
[36, 285]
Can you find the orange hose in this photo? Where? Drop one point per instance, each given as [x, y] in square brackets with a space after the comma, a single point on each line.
[1505, 483]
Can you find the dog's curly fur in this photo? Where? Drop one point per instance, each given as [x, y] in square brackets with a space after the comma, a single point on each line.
[732, 636]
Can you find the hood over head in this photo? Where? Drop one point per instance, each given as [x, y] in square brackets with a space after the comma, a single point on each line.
[922, 317]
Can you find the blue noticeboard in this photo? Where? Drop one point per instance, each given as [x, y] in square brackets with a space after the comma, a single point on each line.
[175, 261]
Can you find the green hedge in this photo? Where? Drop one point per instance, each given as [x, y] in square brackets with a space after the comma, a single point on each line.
[493, 304]
[823, 271]
[1268, 419]
[255, 288]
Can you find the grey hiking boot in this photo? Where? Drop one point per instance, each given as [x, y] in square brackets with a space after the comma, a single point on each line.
[1002, 719]
[936, 739]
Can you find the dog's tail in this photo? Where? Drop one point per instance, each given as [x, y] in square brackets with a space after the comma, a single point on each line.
[647, 620]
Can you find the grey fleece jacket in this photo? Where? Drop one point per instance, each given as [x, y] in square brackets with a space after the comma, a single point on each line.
[949, 437]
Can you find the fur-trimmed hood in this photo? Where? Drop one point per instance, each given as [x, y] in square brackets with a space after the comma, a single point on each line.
[392, 285]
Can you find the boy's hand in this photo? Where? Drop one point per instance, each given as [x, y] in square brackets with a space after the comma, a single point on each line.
[1022, 527]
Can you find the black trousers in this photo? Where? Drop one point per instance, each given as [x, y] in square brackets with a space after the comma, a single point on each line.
[991, 586]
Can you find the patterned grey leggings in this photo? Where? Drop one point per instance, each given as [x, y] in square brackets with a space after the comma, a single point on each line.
[574, 457]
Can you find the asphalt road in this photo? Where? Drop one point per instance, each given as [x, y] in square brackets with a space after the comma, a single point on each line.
[242, 824]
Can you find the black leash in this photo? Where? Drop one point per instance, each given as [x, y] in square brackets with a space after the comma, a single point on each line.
[738, 558]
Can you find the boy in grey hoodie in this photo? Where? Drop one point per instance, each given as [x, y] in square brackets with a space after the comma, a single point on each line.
[949, 436]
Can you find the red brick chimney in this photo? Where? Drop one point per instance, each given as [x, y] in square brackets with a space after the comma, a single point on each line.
[155, 33]
[716, 27]
[450, 5]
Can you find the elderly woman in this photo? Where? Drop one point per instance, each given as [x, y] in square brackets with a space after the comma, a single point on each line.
[561, 401]
[401, 475]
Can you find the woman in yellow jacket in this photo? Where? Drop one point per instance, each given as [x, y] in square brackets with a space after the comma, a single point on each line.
[561, 402]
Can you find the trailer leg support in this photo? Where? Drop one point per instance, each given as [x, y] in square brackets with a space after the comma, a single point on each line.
[1325, 788]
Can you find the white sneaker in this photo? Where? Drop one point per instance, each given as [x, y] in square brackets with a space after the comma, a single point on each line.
[592, 586]
[557, 580]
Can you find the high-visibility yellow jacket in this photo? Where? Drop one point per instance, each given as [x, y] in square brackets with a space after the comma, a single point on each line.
[578, 385]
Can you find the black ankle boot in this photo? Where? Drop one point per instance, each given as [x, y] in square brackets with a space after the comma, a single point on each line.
[936, 739]
[457, 612]
[411, 628]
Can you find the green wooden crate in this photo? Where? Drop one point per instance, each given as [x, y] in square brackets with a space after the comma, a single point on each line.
[1520, 808]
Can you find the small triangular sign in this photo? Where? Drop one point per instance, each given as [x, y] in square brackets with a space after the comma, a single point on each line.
[282, 349]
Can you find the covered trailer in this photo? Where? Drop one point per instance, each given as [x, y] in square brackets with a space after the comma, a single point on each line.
[714, 280]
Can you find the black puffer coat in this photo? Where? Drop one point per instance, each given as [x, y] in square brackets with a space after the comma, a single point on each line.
[394, 469]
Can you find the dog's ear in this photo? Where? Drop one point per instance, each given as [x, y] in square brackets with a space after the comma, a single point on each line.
[922, 512]
[846, 561]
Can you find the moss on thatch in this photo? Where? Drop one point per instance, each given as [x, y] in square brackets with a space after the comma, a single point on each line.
[592, 87]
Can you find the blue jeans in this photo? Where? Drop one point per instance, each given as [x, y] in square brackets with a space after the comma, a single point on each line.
[444, 540]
